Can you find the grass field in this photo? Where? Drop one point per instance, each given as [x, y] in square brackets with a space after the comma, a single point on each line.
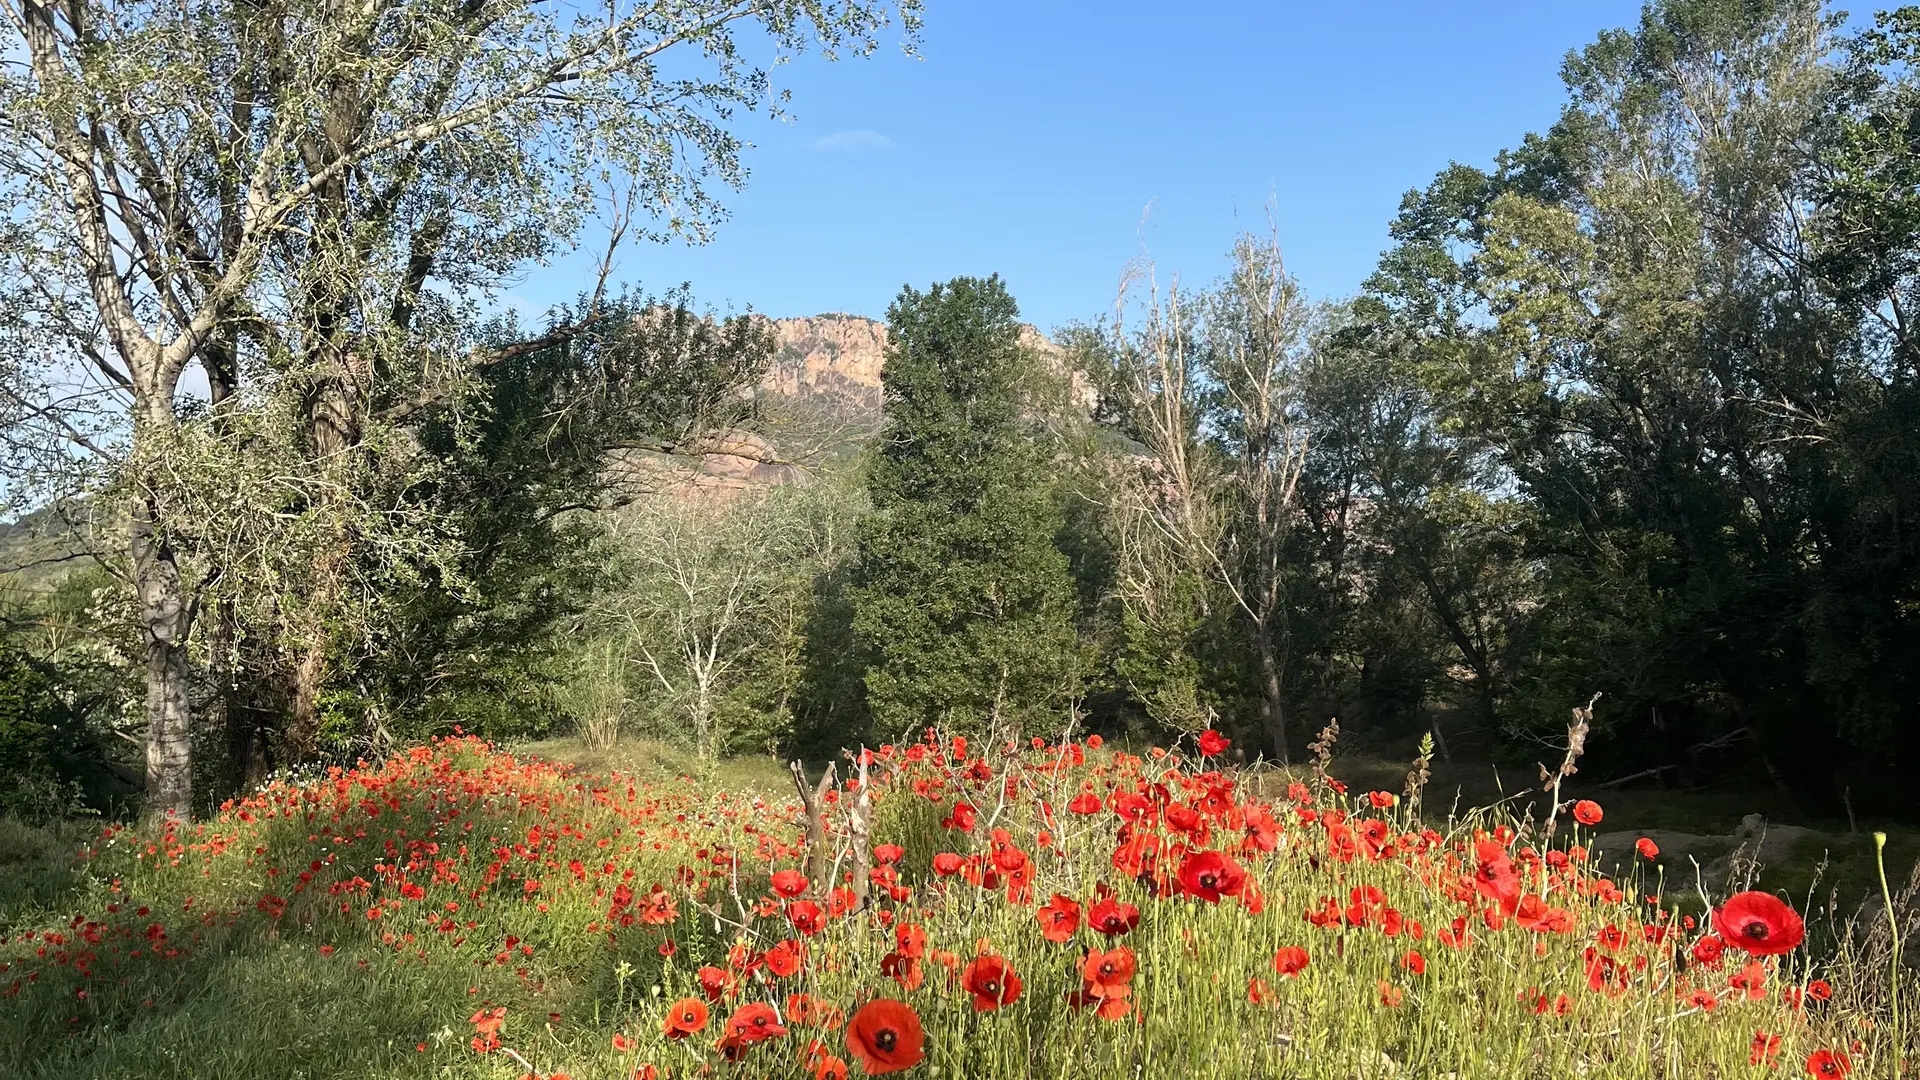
[1047, 911]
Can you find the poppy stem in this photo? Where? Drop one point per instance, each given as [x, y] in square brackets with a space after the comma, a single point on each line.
[1893, 929]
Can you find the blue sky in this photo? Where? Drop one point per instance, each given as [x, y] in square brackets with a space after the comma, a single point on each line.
[1032, 138]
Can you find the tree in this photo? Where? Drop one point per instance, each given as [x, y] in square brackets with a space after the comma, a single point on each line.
[1675, 322]
[532, 457]
[710, 588]
[1209, 384]
[297, 200]
[961, 605]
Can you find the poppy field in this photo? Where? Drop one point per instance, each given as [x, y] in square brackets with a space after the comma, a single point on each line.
[940, 909]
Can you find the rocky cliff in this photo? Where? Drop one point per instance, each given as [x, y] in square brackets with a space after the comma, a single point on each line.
[824, 382]
[839, 357]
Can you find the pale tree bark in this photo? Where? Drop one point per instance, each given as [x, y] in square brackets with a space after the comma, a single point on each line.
[1219, 366]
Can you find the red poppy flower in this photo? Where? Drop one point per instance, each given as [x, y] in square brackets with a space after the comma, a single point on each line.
[903, 969]
[1829, 1065]
[1760, 923]
[1107, 974]
[1751, 978]
[830, 1067]
[1587, 812]
[1291, 960]
[1699, 998]
[1647, 848]
[1059, 918]
[488, 1021]
[992, 983]
[622, 1044]
[1213, 744]
[785, 959]
[947, 864]
[686, 1017]
[754, 1023]
[888, 854]
[1495, 878]
[1764, 1050]
[1210, 875]
[1113, 917]
[885, 1036]
[789, 883]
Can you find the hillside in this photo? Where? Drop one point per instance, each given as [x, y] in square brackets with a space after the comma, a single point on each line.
[821, 399]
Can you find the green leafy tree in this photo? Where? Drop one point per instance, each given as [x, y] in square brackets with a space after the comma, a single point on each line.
[303, 202]
[962, 607]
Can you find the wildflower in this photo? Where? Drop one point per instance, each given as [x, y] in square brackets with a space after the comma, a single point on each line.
[1110, 973]
[805, 916]
[903, 969]
[1759, 923]
[885, 1036]
[1210, 875]
[1212, 743]
[785, 959]
[1414, 963]
[1290, 961]
[1113, 917]
[1258, 992]
[992, 983]
[686, 1017]
[1587, 812]
[754, 1023]
[715, 982]
[1764, 1050]
[1495, 878]
[1604, 974]
[1706, 951]
[889, 854]
[622, 1044]
[1059, 918]
[830, 1067]
[1390, 995]
[1647, 848]
[1829, 1065]
[1698, 998]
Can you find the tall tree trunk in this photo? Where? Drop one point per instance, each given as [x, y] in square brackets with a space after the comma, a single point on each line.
[1273, 717]
[164, 622]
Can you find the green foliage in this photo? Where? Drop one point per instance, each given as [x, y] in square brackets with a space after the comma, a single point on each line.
[524, 469]
[49, 751]
[1674, 326]
[962, 606]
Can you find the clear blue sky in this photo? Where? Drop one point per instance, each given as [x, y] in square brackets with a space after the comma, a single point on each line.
[1031, 136]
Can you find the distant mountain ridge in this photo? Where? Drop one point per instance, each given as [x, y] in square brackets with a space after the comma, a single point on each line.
[839, 357]
[826, 400]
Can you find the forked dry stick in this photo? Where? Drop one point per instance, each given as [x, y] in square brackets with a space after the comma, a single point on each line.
[1576, 745]
[812, 805]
